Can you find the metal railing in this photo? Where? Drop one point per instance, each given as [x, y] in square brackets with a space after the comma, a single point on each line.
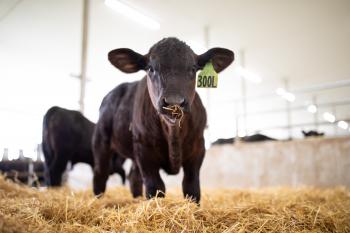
[289, 109]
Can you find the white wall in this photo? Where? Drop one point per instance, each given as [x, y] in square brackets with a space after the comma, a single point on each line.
[313, 162]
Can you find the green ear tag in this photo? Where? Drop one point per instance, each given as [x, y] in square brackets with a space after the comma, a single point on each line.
[207, 78]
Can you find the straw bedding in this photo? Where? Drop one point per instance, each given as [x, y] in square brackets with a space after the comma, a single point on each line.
[24, 209]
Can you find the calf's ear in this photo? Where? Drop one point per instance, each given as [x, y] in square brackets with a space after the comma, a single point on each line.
[127, 60]
[220, 58]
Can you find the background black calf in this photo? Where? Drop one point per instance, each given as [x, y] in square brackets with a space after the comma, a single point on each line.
[67, 137]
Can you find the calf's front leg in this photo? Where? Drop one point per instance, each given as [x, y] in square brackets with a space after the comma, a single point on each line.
[154, 184]
[135, 180]
[190, 182]
[102, 158]
[149, 169]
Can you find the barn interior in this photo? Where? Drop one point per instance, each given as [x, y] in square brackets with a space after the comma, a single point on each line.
[277, 137]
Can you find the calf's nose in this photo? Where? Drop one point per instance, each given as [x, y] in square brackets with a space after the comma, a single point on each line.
[174, 100]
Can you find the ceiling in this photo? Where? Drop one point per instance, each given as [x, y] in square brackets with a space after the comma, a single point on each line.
[303, 40]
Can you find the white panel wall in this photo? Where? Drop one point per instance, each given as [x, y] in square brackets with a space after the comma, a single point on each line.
[314, 162]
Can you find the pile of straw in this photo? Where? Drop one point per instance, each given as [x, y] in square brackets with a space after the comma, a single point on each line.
[24, 209]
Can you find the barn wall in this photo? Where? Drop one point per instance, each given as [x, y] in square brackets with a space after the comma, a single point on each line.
[315, 161]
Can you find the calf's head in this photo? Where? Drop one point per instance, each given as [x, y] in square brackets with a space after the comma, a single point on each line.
[171, 68]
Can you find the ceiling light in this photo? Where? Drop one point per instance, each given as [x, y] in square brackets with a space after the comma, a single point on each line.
[312, 108]
[343, 124]
[285, 94]
[290, 97]
[132, 14]
[249, 75]
[329, 117]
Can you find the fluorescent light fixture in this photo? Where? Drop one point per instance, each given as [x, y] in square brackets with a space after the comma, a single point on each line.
[132, 14]
[343, 125]
[290, 97]
[249, 75]
[285, 94]
[312, 108]
[329, 117]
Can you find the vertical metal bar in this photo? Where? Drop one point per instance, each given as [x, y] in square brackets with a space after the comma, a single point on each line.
[5, 156]
[334, 110]
[288, 110]
[236, 103]
[84, 54]
[314, 102]
[289, 120]
[20, 155]
[244, 93]
[38, 153]
[30, 177]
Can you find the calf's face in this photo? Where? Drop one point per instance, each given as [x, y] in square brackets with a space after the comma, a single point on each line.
[171, 68]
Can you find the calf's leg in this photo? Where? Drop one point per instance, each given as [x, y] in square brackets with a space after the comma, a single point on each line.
[153, 183]
[102, 158]
[116, 166]
[190, 182]
[135, 180]
[56, 169]
[150, 172]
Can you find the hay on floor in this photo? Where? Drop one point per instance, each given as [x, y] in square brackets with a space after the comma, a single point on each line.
[24, 209]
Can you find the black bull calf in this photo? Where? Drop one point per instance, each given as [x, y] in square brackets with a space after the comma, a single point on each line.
[134, 121]
[67, 136]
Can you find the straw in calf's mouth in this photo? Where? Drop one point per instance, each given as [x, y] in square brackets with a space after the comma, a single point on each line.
[176, 112]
